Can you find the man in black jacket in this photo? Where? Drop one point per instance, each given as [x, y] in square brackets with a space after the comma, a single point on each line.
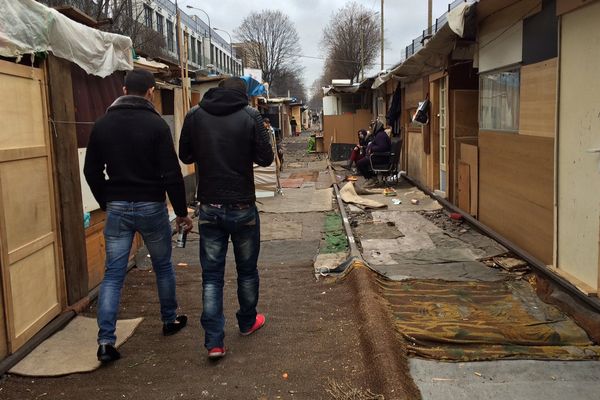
[134, 144]
[225, 136]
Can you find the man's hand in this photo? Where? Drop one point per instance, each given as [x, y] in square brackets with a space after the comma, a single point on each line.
[187, 221]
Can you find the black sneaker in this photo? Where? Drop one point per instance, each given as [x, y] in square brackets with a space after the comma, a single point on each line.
[173, 327]
[107, 353]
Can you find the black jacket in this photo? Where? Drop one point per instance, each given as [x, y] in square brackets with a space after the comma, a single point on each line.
[135, 145]
[224, 137]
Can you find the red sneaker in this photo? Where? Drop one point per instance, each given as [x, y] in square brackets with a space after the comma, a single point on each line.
[258, 323]
[217, 352]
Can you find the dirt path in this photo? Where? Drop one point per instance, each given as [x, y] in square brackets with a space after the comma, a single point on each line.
[310, 341]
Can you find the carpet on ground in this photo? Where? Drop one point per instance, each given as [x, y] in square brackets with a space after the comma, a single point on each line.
[276, 227]
[473, 321]
[308, 176]
[349, 195]
[72, 349]
[298, 200]
[291, 182]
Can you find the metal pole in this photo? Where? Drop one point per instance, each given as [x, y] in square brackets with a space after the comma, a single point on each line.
[382, 48]
[209, 31]
[429, 16]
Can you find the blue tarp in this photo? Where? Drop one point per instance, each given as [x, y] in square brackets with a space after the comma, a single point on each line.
[255, 88]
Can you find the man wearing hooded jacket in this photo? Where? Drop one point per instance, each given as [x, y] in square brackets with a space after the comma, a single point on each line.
[224, 137]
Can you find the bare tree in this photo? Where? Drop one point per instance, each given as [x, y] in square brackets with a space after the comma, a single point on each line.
[351, 39]
[289, 80]
[270, 43]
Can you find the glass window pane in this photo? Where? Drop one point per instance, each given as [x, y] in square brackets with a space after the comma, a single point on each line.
[499, 100]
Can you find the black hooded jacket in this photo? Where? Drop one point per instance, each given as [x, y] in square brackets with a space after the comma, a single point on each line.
[135, 145]
[224, 137]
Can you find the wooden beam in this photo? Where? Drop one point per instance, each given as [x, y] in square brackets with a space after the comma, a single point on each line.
[68, 185]
[565, 6]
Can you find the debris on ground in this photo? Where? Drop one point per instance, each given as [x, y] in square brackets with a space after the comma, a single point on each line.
[342, 391]
[511, 264]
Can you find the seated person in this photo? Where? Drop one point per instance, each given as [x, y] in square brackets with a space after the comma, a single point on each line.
[381, 143]
[358, 152]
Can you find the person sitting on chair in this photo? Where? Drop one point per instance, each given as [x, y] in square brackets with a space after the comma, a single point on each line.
[381, 143]
[358, 152]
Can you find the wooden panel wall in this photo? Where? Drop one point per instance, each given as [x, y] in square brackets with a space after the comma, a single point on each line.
[416, 157]
[413, 94]
[343, 128]
[30, 253]
[516, 178]
[537, 114]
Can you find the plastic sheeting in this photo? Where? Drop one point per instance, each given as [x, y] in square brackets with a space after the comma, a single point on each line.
[28, 27]
[255, 88]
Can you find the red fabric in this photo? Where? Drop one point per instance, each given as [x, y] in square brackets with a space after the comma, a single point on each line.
[355, 156]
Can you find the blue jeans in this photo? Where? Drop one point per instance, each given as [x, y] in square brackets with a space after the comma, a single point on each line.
[216, 225]
[123, 219]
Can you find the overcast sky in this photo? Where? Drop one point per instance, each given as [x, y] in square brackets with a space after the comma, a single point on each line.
[404, 21]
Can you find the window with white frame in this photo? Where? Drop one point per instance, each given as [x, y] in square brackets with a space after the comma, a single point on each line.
[499, 100]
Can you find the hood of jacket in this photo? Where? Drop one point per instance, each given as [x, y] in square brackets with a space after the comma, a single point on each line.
[132, 103]
[221, 101]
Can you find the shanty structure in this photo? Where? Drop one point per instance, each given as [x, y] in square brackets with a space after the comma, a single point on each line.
[50, 64]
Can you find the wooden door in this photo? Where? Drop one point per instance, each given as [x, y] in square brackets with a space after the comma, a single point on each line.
[29, 251]
[578, 222]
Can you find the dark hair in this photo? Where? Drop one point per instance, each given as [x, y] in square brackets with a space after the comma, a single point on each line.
[267, 120]
[233, 83]
[137, 82]
[362, 131]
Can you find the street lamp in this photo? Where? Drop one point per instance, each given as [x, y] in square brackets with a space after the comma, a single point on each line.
[209, 31]
[230, 47]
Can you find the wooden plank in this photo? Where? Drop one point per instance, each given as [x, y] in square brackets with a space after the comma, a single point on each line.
[33, 308]
[22, 71]
[577, 170]
[95, 250]
[54, 200]
[464, 187]
[22, 116]
[579, 284]
[437, 75]
[433, 159]
[415, 155]
[426, 128]
[537, 103]
[465, 113]
[6, 329]
[66, 164]
[23, 153]
[27, 201]
[516, 189]
[565, 6]
[157, 101]
[31, 247]
[469, 154]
